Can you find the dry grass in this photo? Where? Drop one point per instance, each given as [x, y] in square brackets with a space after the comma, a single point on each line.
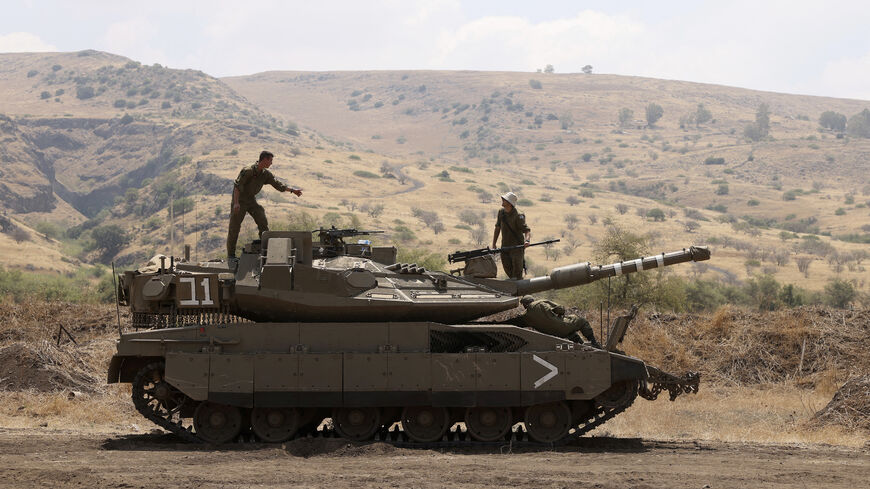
[814, 347]
[110, 410]
[758, 414]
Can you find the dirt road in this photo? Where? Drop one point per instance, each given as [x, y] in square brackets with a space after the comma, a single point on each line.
[64, 459]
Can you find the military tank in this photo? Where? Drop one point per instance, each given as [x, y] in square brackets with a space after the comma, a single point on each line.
[307, 338]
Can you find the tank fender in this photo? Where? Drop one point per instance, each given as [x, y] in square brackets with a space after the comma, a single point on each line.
[123, 368]
[624, 368]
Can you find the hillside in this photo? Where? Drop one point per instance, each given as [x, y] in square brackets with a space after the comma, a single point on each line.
[424, 156]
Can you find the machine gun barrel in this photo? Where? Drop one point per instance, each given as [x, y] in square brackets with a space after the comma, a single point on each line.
[344, 233]
[584, 273]
[467, 255]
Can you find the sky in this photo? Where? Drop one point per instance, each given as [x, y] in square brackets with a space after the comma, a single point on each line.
[802, 47]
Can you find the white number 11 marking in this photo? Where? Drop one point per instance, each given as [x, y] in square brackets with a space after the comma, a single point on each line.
[193, 301]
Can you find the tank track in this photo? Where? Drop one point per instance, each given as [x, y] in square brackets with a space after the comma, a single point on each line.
[454, 438]
[141, 403]
[394, 436]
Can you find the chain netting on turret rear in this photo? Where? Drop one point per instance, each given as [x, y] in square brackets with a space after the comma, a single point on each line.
[178, 318]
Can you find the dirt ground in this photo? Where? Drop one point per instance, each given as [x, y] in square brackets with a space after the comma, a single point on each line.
[65, 459]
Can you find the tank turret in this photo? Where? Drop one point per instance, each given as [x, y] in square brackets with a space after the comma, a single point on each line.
[287, 277]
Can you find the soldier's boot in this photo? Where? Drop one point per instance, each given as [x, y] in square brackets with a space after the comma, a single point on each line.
[595, 343]
[575, 337]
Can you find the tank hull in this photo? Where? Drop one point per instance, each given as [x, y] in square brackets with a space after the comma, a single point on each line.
[329, 368]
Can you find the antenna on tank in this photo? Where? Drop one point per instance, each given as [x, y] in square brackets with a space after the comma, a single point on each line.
[117, 307]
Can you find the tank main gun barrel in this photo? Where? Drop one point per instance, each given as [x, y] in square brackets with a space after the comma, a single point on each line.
[584, 273]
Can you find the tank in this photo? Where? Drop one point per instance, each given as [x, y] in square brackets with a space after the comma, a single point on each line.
[312, 338]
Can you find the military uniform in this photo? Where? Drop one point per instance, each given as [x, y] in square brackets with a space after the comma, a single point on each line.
[249, 183]
[513, 227]
[550, 318]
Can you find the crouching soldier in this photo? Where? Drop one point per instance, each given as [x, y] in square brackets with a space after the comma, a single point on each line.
[550, 318]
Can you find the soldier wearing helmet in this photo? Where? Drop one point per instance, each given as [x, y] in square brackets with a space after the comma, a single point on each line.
[550, 318]
[514, 231]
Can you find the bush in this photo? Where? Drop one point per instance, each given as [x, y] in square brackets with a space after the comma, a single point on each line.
[32, 73]
[839, 293]
[535, 84]
[109, 239]
[365, 174]
[120, 103]
[859, 124]
[656, 214]
[832, 120]
[711, 160]
[625, 115]
[654, 112]
[85, 92]
[126, 119]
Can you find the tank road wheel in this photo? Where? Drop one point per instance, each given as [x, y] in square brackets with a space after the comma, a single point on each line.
[155, 398]
[217, 423]
[488, 423]
[548, 423]
[275, 425]
[425, 424]
[359, 423]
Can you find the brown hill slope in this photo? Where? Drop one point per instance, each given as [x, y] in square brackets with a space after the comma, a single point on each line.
[377, 148]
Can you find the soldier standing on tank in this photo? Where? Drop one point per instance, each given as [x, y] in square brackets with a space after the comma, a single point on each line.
[514, 231]
[550, 318]
[245, 189]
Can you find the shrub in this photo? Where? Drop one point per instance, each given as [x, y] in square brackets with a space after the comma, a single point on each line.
[654, 112]
[365, 174]
[832, 120]
[656, 214]
[535, 84]
[85, 92]
[32, 73]
[120, 103]
[711, 160]
[859, 124]
[44, 95]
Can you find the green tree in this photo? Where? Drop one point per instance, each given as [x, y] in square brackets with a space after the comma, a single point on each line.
[549, 69]
[654, 112]
[762, 119]
[656, 214]
[859, 124]
[109, 240]
[839, 293]
[85, 92]
[587, 69]
[702, 115]
[625, 115]
[764, 291]
[833, 121]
